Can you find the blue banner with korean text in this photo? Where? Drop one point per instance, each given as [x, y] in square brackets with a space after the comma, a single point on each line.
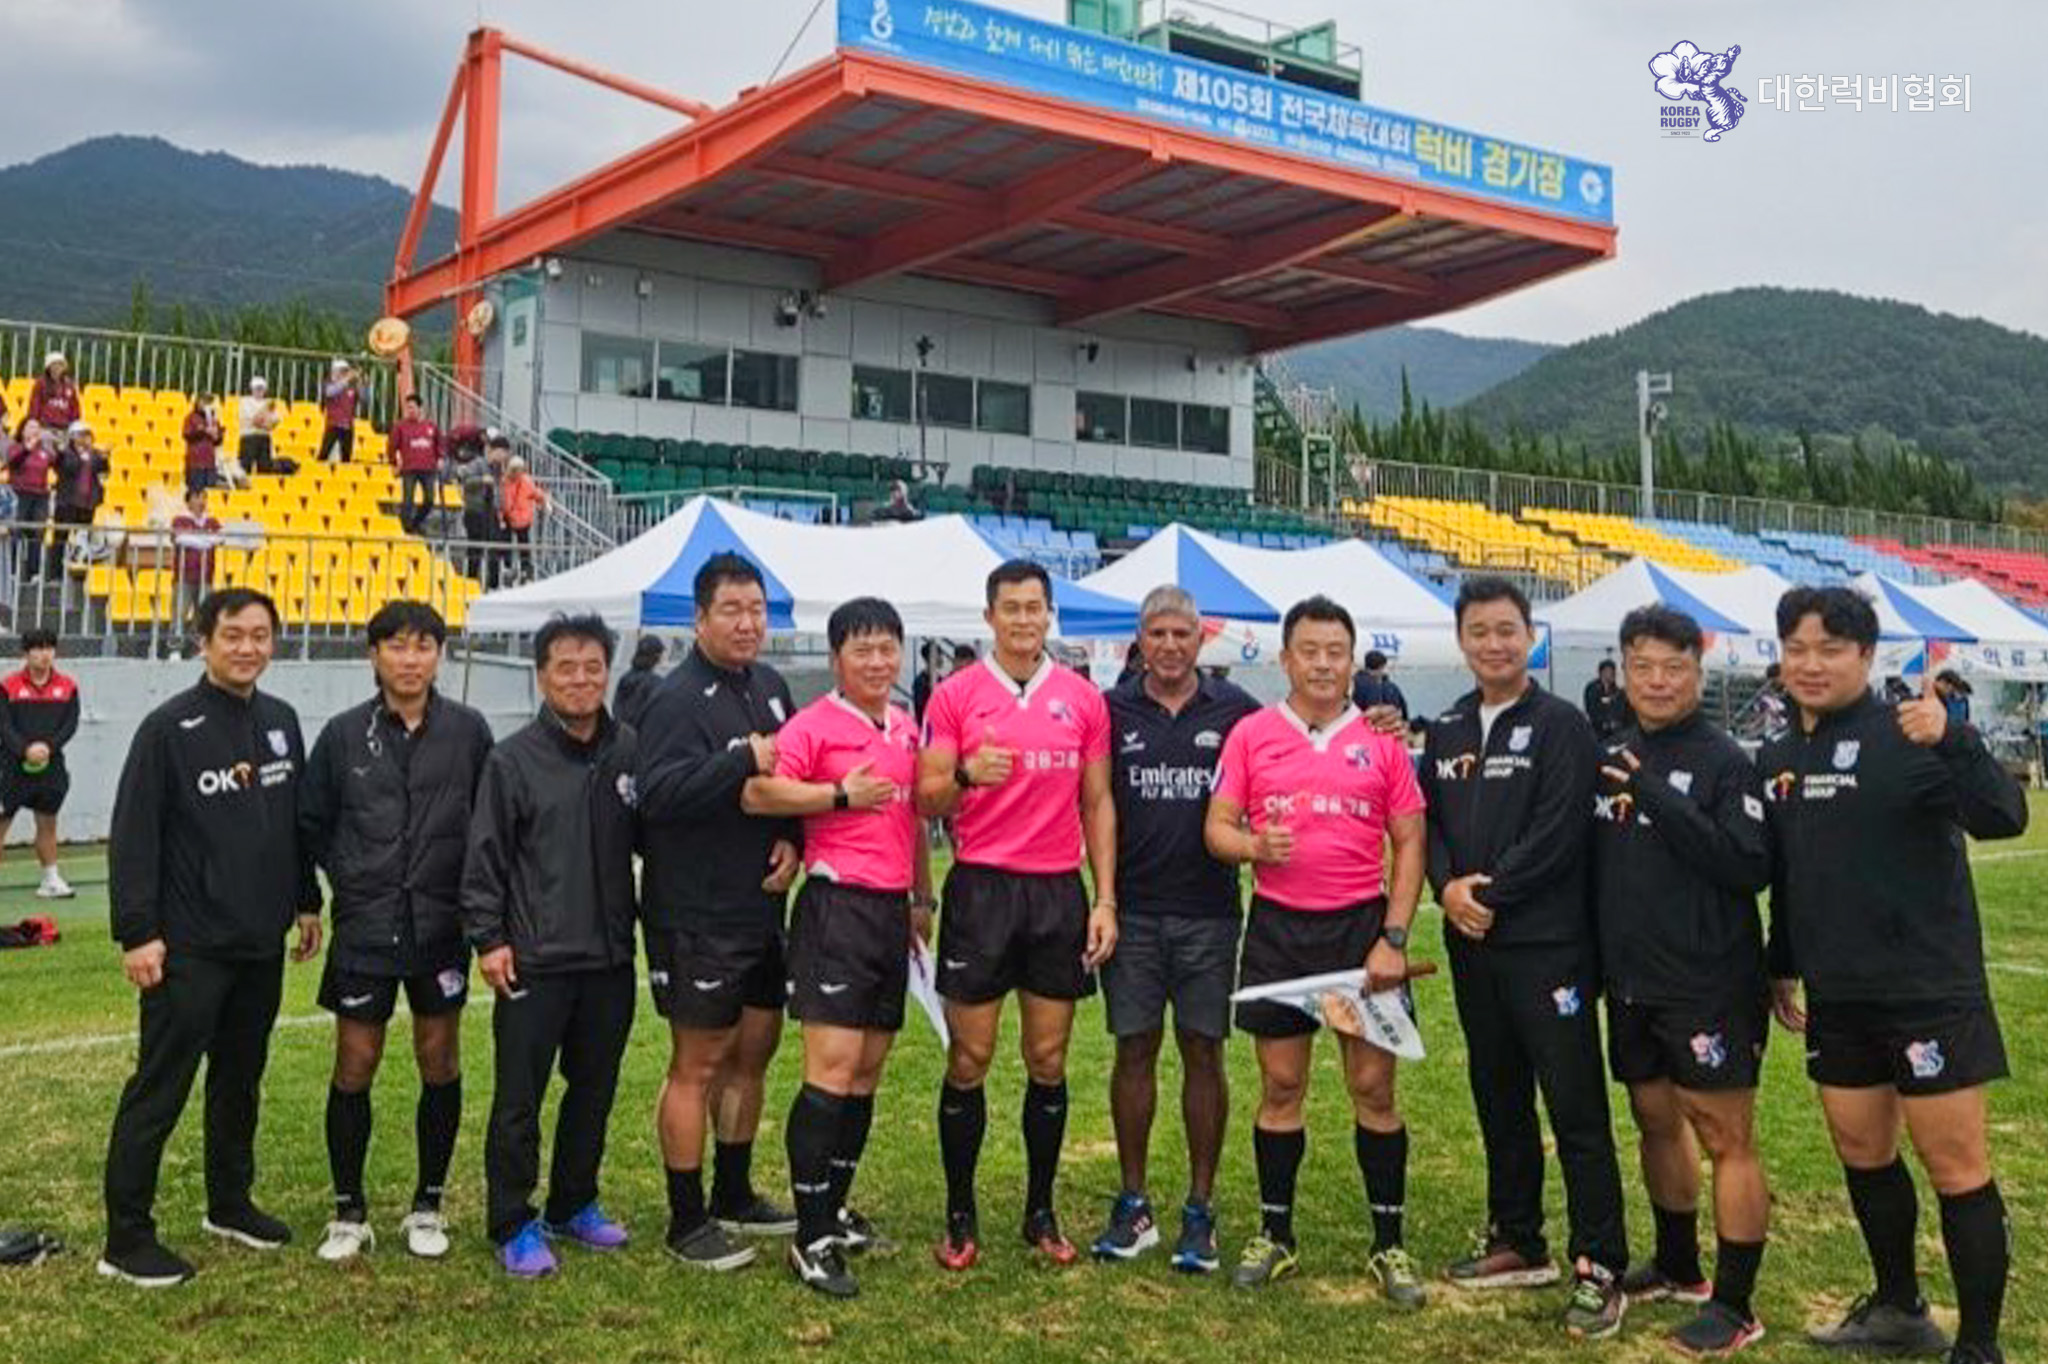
[995, 45]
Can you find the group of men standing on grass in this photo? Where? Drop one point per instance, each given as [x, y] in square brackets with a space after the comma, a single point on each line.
[1566, 867]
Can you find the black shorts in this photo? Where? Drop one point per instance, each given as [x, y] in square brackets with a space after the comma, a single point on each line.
[1010, 930]
[1918, 1047]
[1187, 958]
[369, 997]
[703, 976]
[1707, 1046]
[42, 792]
[849, 956]
[1283, 944]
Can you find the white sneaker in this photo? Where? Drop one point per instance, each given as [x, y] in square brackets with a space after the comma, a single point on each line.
[345, 1241]
[54, 886]
[426, 1235]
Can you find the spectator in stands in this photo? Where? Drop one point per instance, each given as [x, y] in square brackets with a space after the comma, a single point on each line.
[520, 501]
[30, 464]
[927, 678]
[899, 506]
[1606, 703]
[258, 418]
[81, 486]
[53, 402]
[202, 442]
[637, 687]
[1772, 705]
[339, 399]
[196, 534]
[1372, 687]
[38, 716]
[1134, 664]
[1955, 695]
[478, 469]
[415, 452]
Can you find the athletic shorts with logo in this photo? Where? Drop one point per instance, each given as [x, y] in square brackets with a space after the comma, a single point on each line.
[1704, 1046]
[1190, 959]
[703, 976]
[1285, 944]
[42, 792]
[1010, 930]
[849, 962]
[1917, 1047]
[370, 996]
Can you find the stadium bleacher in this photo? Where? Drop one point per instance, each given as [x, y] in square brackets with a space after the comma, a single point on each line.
[1629, 537]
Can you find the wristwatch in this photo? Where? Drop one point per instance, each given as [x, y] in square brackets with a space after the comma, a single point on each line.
[1396, 936]
[961, 777]
[841, 800]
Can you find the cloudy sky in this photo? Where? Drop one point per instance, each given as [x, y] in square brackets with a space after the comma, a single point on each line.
[1946, 208]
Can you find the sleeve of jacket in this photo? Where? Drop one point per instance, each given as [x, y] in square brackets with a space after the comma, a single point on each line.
[681, 775]
[791, 829]
[1960, 775]
[1438, 863]
[1725, 842]
[487, 871]
[135, 838]
[67, 722]
[309, 899]
[1554, 838]
[320, 797]
[1778, 942]
[10, 737]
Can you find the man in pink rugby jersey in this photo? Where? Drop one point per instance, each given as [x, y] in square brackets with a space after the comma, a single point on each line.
[847, 766]
[1017, 752]
[1311, 794]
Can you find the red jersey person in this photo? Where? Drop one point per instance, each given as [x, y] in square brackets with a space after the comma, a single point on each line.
[31, 472]
[1017, 753]
[847, 765]
[340, 396]
[202, 434]
[416, 454]
[1311, 794]
[53, 400]
[38, 717]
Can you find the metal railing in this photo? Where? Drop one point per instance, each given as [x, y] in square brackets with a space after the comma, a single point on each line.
[188, 365]
[640, 512]
[128, 590]
[585, 513]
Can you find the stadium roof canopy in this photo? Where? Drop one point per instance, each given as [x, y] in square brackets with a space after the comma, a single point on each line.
[872, 164]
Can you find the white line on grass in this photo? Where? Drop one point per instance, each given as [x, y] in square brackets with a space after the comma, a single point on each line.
[57, 1045]
[2008, 854]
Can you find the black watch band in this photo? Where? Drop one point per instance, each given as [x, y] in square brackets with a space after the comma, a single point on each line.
[840, 800]
[961, 778]
[1396, 936]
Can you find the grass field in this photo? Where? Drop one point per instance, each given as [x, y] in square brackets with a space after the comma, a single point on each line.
[66, 1016]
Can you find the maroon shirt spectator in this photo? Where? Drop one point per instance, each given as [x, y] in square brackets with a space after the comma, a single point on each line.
[54, 399]
[202, 443]
[416, 451]
[196, 533]
[339, 400]
[30, 463]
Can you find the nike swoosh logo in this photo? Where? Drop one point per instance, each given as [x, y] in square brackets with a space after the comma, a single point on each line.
[830, 989]
[955, 964]
[193, 723]
[707, 984]
[357, 1002]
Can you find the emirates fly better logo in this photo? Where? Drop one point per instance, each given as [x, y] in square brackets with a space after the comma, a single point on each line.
[1690, 81]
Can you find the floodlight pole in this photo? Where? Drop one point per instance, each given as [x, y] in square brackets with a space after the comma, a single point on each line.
[1649, 385]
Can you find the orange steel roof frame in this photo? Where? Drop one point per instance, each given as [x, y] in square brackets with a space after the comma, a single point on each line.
[873, 167]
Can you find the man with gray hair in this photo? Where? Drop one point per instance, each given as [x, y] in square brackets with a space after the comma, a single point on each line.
[1180, 920]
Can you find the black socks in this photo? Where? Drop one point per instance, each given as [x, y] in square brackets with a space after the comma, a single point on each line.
[348, 1144]
[732, 1176]
[1735, 1267]
[812, 1134]
[685, 1201]
[1045, 1128]
[1887, 1211]
[856, 1118]
[1975, 1233]
[1383, 1160]
[963, 1120]
[436, 1121]
[1678, 1244]
[1279, 1159]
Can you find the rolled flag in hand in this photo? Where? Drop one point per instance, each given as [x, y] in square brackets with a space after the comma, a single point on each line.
[1337, 999]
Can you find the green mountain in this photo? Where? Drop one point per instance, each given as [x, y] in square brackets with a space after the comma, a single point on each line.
[80, 227]
[1443, 368]
[1775, 362]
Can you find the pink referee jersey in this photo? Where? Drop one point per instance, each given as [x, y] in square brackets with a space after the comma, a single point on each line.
[1058, 723]
[874, 849]
[1336, 788]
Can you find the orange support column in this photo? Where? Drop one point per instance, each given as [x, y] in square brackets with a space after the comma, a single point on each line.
[479, 186]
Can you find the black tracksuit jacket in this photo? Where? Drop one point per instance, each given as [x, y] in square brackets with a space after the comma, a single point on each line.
[1871, 899]
[204, 849]
[1516, 811]
[387, 818]
[704, 858]
[551, 842]
[1680, 853]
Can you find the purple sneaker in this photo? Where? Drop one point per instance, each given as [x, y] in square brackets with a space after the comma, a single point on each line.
[526, 1255]
[590, 1229]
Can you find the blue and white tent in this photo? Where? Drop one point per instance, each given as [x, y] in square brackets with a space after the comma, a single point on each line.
[1737, 610]
[932, 571]
[1967, 626]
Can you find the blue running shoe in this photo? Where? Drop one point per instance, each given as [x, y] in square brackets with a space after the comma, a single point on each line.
[1131, 1230]
[526, 1255]
[1195, 1252]
[591, 1229]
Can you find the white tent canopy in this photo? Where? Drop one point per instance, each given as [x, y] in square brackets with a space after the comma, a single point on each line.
[932, 571]
[1737, 610]
[1968, 626]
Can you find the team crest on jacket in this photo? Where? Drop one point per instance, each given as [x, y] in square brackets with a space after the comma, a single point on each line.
[1709, 1050]
[628, 789]
[1356, 756]
[1518, 741]
[1845, 753]
[1681, 782]
[1925, 1059]
[279, 744]
[1059, 710]
[1780, 788]
[1566, 998]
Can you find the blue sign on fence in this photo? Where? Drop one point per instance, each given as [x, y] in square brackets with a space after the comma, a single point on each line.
[995, 45]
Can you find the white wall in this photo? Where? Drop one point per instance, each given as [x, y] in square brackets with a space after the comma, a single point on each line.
[634, 285]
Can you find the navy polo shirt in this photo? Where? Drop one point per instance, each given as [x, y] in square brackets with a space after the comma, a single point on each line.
[1162, 768]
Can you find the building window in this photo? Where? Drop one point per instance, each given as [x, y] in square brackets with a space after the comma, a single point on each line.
[618, 366]
[1099, 418]
[1204, 429]
[1155, 423]
[765, 381]
[881, 395]
[1003, 408]
[947, 400]
[691, 373]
